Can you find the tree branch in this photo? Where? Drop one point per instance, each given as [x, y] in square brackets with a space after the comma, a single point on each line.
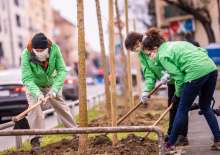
[185, 7]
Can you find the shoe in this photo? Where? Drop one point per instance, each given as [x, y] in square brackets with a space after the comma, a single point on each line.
[169, 149]
[35, 145]
[216, 146]
[182, 141]
[166, 138]
[194, 106]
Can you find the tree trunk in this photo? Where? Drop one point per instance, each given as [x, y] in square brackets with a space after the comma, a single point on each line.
[112, 67]
[209, 31]
[130, 95]
[104, 65]
[123, 56]
[138, 66]
[83, 118]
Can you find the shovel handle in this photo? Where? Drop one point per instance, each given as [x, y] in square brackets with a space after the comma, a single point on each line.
[133, 109]
[22, 115]
[160, 118]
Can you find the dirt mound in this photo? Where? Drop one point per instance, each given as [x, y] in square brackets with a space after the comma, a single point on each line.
[132, 145]
[101, 144]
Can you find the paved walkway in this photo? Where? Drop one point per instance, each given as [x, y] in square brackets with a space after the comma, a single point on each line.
[199, 134]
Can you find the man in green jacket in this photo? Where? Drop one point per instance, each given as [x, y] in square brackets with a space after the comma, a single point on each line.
[194, 73]
[43, 74]
[153, 72]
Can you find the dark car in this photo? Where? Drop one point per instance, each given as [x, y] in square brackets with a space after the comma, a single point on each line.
[12, 94]
[70, 87]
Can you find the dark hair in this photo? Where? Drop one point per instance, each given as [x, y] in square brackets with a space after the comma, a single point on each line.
[132, 39]
[152, 39]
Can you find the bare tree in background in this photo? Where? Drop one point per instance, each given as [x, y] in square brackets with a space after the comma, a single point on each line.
[104, 64]
[123, 57]
[144, 12]
[200, 13]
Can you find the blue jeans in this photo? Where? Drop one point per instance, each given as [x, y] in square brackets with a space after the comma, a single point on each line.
[206, 87]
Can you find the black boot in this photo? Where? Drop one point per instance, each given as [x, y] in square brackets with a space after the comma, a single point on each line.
[182, 141]
[35, 145]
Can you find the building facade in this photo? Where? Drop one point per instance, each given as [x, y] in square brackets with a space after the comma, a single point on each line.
[65, 35]
[40, 17]
[13, 31]
[19, 20]
[175, 23]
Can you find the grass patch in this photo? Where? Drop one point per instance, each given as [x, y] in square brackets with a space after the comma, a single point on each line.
[49, 139]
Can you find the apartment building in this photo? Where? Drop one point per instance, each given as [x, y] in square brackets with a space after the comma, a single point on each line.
[65, 35]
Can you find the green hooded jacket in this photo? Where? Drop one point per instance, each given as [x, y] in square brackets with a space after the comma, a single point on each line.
[152, 71]
[34, 76]
[184, 62]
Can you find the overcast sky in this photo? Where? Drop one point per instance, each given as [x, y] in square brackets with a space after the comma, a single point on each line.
[67, 8]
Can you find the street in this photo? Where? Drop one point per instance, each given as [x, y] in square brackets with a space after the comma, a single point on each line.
[51, 121]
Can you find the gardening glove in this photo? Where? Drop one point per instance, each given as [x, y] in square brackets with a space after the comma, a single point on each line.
[144, 97]
[175, 99]
[40, 98]
[51, 94]
[165, 77]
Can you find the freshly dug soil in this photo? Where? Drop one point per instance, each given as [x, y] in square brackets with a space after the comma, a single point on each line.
[102, 145]
[132, 145]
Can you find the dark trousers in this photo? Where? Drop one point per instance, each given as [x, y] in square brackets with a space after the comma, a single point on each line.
[206, 87]
[173, 110]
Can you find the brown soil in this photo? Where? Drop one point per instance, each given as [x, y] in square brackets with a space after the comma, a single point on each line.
[132, 145]
[102, 145]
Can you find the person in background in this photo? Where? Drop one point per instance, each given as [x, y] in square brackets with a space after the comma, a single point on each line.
[153, 72]
[194, 72]
[43, 74]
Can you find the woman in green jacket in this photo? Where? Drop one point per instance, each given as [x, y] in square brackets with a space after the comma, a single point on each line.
[194, 72]
[153, 72]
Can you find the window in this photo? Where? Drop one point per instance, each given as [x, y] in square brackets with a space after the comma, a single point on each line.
[0, 25]
[18, 20]
[3, 5]
[20, 42]
[30, 25]
[172, 11]
[16, 2]
[1, 50]
[5, 26]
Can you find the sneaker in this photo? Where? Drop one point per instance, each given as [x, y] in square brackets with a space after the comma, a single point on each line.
[169, 149]
[35, 145]
[182, 141]
[216, 146]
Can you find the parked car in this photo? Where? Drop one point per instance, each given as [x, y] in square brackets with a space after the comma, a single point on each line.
[70, 87]
[12, 94]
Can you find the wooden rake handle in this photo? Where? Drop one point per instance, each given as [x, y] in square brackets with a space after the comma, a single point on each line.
[133, 109]
[159, 119]
[22, 115]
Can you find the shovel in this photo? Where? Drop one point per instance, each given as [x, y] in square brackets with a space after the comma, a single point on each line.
[159, 119]
[19, 121]
[130, 111]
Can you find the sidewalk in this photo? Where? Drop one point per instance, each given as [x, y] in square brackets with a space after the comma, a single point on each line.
[200, 136]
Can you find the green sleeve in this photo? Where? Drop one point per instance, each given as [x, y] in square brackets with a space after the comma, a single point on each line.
[60, 69]
[149, 76]
[175, 73]
[27, 76]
